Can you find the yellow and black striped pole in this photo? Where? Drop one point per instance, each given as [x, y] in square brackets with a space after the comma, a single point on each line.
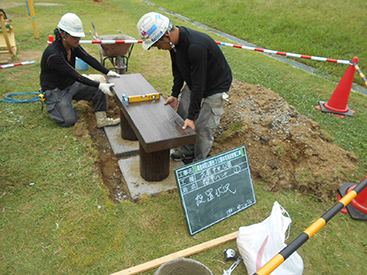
[311, 230]
[361, 74]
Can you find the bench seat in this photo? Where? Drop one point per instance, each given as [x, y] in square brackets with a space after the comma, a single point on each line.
[157, 126]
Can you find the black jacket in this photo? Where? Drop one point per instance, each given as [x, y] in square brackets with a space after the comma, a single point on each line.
[200, 63]
[58, 72]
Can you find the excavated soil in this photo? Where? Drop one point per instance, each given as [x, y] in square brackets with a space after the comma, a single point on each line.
[286, 150]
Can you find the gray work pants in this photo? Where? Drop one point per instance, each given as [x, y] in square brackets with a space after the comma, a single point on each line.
[205, 124]
[60, 107]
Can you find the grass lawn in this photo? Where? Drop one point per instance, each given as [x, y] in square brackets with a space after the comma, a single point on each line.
[55, 214]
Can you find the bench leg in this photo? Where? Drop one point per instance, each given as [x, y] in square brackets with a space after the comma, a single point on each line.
[126, 131]
[154, 166]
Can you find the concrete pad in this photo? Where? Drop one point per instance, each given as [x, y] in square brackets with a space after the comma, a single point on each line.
[128, 152]
[137, 186]
[121, 147]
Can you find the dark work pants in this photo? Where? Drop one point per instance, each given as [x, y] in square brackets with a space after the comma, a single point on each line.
[59, 102]
[205, 124]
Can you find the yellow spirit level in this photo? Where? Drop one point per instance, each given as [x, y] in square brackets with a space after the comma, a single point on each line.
[137, 98]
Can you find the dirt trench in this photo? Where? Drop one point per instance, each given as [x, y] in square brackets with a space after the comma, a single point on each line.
[286, 150]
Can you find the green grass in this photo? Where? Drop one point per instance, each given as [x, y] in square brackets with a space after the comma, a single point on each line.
[332, 29]
[55, 214]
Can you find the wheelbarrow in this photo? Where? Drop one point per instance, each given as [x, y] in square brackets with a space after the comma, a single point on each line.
[8, 46]
[118, 54]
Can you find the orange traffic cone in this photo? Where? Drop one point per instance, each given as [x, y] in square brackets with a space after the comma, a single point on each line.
[50, 39]
[357, 208]
[339, 99]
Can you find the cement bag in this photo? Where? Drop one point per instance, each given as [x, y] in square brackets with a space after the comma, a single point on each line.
[259, 243]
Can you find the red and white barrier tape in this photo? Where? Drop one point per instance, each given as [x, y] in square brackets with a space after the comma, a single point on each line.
[132, 41]
[16, 64]
[317, 58]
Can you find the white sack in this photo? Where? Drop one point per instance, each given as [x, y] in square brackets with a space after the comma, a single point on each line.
[259, 243]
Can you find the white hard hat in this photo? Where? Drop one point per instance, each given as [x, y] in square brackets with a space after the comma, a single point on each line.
[71, 24]
[151, 27]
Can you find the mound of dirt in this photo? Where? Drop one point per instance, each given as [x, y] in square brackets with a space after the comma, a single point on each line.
[286, 150]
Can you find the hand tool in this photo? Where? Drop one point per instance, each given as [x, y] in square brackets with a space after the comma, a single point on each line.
[233, 266]
[230, 254]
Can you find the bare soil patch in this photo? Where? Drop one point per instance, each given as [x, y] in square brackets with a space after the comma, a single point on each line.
[286, 150]
[107, 163]
[29, 55]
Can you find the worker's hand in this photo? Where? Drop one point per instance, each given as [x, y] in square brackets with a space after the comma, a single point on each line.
[113, 74]
[172, 101]
[106, 88]
[189, 123]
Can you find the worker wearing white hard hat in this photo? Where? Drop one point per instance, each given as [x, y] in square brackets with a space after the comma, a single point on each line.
[152, 26]
[202, 78]
[71, 24]
[61, 83]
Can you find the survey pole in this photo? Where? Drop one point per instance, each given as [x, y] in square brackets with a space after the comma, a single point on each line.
[33, 18]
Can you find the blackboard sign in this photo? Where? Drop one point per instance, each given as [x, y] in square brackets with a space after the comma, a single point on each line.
[215, 188]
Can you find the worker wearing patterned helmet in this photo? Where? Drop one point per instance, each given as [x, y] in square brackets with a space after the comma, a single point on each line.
[152, 26]
[197, 62]
[61, 83]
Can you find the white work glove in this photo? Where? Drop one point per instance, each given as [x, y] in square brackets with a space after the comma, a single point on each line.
[113, 74]
[105, 88]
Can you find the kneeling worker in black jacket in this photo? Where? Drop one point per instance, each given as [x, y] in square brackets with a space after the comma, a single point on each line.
[61, 83]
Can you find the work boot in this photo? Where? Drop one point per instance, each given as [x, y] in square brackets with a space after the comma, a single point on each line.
[179, 156]
[103, 120]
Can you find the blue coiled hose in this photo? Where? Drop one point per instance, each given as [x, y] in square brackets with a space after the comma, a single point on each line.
[9, 98]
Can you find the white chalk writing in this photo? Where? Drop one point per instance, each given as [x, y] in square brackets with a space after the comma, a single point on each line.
[209, 194]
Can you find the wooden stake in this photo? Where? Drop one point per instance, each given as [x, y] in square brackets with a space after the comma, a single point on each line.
[183, 253]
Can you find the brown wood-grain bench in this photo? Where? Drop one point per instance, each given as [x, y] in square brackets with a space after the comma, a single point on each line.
[157, 126]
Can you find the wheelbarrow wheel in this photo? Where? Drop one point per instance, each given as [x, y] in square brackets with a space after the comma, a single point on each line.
[120, 65]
